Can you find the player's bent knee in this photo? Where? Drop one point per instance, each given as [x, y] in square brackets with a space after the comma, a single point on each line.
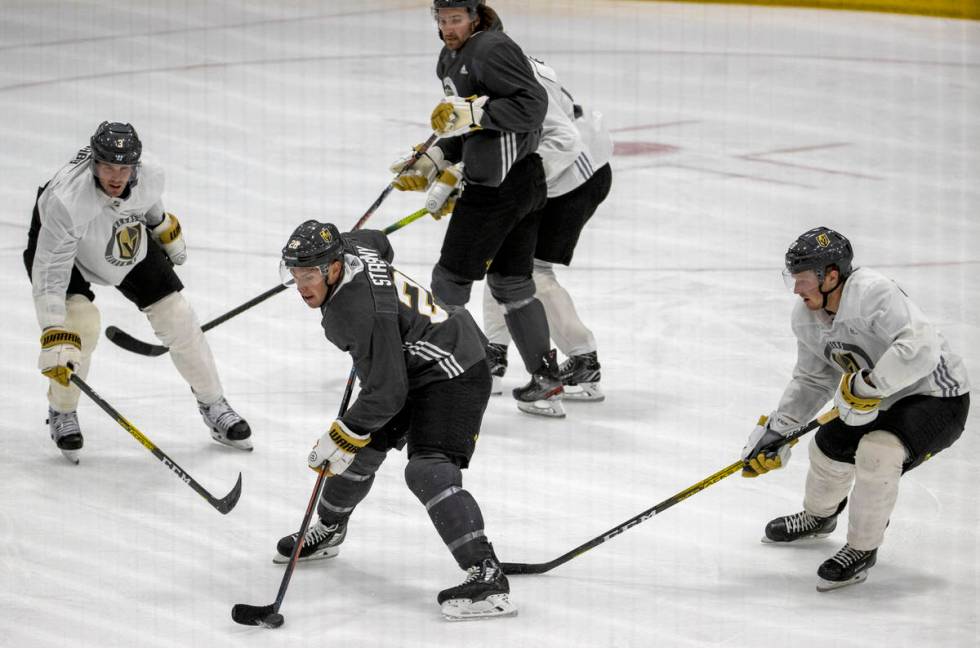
[544, 277]
[82, 317]
[450, 289]
[431, 475]
[172, 318]
[511, 291]
[366, 463]
[880, 452]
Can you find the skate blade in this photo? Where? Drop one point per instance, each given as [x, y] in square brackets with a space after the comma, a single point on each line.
[799, 541]
[322, 554]
[241, 444]
[496, 605]
[584, 392]
[550, 408]
[826, 585]
[71, 455]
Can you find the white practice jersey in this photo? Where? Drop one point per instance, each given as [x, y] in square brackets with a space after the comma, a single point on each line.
[571, 149]
[83, 226]
[877, 327]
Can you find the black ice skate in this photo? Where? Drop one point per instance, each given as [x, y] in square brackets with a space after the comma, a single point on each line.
[848, 567]
[227, 427]
[497, 359]
[801, 526]
[64, 430]
[321, 541]
[542, 396]
[485, 593]
[580, 377]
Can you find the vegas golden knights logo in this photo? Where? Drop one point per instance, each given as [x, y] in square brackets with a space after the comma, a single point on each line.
[823, 240]
[128, 239]
[325, 235]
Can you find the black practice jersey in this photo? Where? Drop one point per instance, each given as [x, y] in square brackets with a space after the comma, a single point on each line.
[491, 64]
[397, 336]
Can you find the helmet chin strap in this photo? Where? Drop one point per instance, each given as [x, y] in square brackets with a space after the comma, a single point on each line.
[840, 282]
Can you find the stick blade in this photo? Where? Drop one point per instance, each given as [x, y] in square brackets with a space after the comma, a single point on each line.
[518, 569]
[256, 615]
[123, 339]
[228, 502]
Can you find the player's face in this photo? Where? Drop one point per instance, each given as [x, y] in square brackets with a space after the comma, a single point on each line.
[808, 286]
[113, 178]
[311, 285]
[455, 26]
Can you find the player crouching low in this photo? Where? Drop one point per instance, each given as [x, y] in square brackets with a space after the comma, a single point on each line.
[424, 382]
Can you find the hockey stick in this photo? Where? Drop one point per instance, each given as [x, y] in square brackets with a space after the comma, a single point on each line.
[224, 505]
[126, 341]
[419, 152]
[540, 568]
[268, 615]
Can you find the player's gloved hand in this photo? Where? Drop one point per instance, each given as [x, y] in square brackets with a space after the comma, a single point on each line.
[759, 459]
[445, 190]
[335, 450]
[422, 173]
[457, 115]
[168, 235]
[61, 352]
[857, 399]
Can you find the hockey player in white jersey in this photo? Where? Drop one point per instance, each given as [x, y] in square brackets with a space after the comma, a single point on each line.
[575, 149]
[903, 396]
[101, 220]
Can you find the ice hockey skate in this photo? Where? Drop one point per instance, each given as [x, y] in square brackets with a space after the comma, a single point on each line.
[65, 433]
[801, 526]
[849, 566]
[321, 541]
[543, 394]
[497, 359]
[227, 427]
[484, 594]
[580, 378]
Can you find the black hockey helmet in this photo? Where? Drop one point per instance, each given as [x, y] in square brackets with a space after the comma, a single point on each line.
[313, 244]
[457, 4]
[116, 143]
[817, 250]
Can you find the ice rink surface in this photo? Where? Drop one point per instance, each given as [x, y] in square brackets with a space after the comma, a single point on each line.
[736, 129]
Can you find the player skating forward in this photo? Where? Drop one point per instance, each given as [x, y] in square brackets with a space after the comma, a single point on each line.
[491, 121]
[101, 220]
[424, 382]
[902, 394]
[575, 149]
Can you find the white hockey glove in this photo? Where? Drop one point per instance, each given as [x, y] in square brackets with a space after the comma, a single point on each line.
[422, 173]
[857, 399]
[445, 190]
[168, 234]
[336, 449]
[457, 115]
[61, 352]
[769, 430]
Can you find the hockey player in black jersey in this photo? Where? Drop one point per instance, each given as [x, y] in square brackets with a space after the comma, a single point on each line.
[490, 120]
[424, 382]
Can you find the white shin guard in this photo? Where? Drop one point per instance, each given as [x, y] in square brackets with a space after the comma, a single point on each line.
[175, 325]
[494, 325]
[82, 317]
[827, 483]
[571, 335]
[878, 468]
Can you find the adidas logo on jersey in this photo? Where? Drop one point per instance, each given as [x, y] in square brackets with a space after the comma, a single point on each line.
[463, 70]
